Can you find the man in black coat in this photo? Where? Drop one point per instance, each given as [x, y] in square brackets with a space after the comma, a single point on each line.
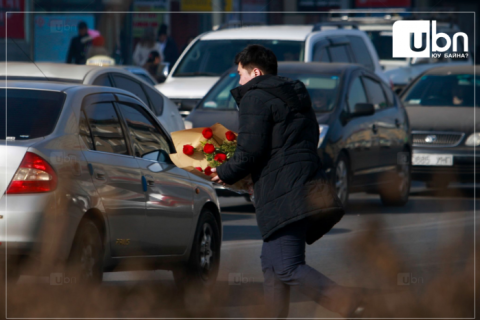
[277, 144]
[168, 45]
[77, 51]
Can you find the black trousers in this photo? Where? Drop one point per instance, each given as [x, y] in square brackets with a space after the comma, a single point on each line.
[283, 265]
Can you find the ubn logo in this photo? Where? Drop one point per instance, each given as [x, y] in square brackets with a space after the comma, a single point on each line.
[411, 39]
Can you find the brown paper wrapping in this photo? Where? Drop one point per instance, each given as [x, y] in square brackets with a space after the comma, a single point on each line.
[188, 163]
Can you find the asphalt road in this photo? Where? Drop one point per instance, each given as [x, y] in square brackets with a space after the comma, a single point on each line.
[405, 255]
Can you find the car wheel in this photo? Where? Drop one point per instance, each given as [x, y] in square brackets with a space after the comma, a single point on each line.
[397, 190]
[85, 263]
[341, 179]
[197, 278]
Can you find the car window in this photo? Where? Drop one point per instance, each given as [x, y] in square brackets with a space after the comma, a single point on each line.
[103, 80]
[356, 94]
[339, 53]
[454, 90]
[144, 77]
[389, 95]
[375, 94]
[29, 113]
[214, 57]
[130, 85]
[322, 88]
[220, 97]
[156, 99]
[320, 53]
[105, 128]
[84, 131]
[361, 52]
[146, 136]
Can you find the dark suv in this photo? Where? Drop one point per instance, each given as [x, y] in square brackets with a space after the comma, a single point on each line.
[365, 142]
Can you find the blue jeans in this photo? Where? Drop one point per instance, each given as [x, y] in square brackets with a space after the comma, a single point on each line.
[283, 265]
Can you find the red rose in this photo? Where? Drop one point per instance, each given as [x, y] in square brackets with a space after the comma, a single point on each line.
[230, 136]
[208, 170]
[199, 169]
[220, 157]
[188, 149]
[207, 133]
[209, 148]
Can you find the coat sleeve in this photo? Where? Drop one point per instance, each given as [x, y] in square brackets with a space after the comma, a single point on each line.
[254, 137]
[70, 52]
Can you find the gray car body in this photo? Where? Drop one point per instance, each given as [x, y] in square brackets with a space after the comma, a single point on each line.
[27, 218]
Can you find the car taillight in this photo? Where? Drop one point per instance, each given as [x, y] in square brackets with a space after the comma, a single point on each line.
[34, 175]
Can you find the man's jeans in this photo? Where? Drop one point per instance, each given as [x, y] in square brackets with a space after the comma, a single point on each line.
[283, 265]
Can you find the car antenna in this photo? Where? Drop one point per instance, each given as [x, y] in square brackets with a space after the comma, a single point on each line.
[31, 60]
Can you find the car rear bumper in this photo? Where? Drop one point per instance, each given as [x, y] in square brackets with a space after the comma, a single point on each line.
[465, 168]
[21, 221]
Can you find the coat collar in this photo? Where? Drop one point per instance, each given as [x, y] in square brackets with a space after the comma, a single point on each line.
[240, 91]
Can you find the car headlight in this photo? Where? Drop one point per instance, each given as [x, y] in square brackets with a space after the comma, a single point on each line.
[188, 124]
[473, 140]
[323, 133]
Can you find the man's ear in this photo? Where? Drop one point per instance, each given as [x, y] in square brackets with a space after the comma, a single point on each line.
[257, 72]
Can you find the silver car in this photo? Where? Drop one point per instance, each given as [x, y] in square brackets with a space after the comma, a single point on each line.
[85, 173]
[114, 76]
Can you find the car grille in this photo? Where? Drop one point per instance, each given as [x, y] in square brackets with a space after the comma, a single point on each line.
[437, 139]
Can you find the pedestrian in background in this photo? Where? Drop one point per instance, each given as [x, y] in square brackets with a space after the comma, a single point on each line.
[77, 51]
[168, 47]
[294, 202]
[152, 64]
[143, 48]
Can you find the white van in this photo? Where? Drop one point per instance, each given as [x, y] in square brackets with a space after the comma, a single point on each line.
[212, 53]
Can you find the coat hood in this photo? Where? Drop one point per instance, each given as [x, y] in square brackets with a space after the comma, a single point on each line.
[292, 92]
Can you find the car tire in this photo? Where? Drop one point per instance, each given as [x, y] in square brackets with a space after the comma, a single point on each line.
[397, 190]
[85, 262]
[341, 179]
[196, 278]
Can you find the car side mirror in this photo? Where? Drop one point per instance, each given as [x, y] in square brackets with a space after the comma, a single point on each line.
[362, 109]
[165, 69]
[163, 156]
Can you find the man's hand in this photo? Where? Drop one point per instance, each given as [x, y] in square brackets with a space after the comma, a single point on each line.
[217, 178]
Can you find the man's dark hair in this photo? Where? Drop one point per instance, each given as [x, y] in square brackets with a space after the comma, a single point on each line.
[82, 25]
[257, 56]
[162, 29]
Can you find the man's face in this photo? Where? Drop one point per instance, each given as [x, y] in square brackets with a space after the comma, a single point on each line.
[245, 75]
[82, 31]
[162, 38]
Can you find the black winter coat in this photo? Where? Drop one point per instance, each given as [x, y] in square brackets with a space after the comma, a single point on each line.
[277, 144]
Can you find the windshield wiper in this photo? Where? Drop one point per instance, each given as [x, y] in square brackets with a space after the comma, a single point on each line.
[198, 73]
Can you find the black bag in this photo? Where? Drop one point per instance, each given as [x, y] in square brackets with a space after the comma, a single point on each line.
[327, 207]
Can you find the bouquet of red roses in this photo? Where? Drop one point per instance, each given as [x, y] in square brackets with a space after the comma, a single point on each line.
[201, 149]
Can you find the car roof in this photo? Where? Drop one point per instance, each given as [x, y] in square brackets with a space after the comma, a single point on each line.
[60, 87]
[283, 32]
[453, 69]
[53, 70]
[315, 67]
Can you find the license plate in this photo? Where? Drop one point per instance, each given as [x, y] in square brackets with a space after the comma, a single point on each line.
[425, 159]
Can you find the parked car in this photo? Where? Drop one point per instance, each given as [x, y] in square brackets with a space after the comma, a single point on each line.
[116, 76]
[88, 172]
[141, 73]
[211, 54]
[364, 131]
[440, 105]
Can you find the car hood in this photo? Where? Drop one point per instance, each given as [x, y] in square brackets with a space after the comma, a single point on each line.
[459, 119]
[187, 87]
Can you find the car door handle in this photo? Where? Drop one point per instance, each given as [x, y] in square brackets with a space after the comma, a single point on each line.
[374, 128]
[150, 180]
[100, 176]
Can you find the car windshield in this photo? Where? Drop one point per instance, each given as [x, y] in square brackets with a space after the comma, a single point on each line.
[382, 41]
[28, 114]
[443, 90]
[214, 57]
[323, 90]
